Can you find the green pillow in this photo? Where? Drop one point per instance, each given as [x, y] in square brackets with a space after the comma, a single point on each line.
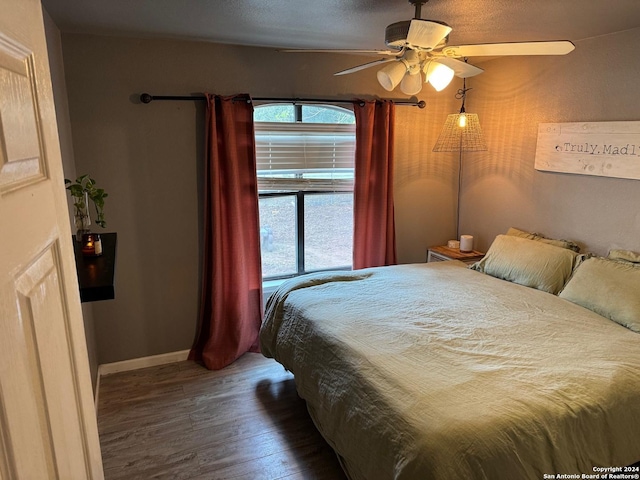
[539, 238]
[609, 288]
[528, 262]
[626, 255]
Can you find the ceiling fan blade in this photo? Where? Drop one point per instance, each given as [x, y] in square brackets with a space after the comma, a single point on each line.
[394, 53]
[365, 65]
[460, 69]
[426, 34]
[515, 48]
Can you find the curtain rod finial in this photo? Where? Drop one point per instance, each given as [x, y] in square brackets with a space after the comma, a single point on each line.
[145, 98]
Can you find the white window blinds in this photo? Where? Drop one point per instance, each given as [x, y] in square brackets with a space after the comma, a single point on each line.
[305, 156]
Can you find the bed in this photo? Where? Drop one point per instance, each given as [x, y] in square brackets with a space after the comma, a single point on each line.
[438, 371]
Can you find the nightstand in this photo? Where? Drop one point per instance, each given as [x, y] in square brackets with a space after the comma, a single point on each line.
[442, 253]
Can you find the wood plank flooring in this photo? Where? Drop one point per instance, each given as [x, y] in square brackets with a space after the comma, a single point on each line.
[183, 422]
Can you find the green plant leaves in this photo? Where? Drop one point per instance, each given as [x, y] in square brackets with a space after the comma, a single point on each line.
[85, 184]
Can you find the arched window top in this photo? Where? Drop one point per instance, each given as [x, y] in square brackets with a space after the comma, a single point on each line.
[290, 113]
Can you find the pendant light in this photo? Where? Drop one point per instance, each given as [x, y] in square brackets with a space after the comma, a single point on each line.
[461, 131]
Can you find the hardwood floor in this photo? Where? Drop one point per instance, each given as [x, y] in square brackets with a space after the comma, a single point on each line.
[182, 421]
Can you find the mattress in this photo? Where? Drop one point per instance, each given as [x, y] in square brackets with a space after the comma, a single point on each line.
[435, 371]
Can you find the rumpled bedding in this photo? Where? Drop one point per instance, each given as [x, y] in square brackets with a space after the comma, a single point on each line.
[435, 371]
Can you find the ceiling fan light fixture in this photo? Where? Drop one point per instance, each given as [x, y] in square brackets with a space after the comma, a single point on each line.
[424, 43]
[411, 83]
[391, 75]
[438, 75]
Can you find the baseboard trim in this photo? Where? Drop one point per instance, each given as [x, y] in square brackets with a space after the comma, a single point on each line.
[143, 362]
[136, 364]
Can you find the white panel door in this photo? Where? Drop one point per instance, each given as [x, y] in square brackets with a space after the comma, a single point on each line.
[47, 419]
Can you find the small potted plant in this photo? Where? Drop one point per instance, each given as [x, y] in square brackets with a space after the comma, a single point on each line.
[82, 190]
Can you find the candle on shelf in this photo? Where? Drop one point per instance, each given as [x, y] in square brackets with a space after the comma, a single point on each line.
[91, 245]
[466, 243]
[88, 245]
[97, 243]
[454, 244]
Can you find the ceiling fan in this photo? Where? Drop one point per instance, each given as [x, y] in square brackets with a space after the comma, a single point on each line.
[421, 46]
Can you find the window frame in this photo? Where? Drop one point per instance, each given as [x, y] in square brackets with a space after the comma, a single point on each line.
[299, 196]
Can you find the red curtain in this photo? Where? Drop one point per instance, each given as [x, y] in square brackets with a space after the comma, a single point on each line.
[231, 306]
[374, 239]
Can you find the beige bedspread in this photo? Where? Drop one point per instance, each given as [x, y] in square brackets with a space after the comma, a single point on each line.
[435, 371]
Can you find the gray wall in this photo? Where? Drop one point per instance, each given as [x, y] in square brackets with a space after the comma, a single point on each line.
[56, 65]
[149, 159]
[598, 81]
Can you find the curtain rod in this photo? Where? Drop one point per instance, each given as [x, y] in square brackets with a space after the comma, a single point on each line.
[148, 98]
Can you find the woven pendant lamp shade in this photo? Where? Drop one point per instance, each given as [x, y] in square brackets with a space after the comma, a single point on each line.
[454, 138]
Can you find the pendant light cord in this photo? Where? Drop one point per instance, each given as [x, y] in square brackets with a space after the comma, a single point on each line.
[458, 201]
[460, 95]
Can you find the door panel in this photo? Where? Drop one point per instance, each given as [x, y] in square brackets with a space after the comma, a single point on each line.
[21, 159]
[45, 324]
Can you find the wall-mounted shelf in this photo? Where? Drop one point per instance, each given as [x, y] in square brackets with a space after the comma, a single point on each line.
[96, 274]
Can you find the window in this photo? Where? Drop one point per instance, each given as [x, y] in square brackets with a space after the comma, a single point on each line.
[305, 163]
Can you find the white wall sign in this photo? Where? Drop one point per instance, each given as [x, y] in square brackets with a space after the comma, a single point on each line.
[605, 149]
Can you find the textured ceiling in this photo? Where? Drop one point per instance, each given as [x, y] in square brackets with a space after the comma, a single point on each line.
[342, 23]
